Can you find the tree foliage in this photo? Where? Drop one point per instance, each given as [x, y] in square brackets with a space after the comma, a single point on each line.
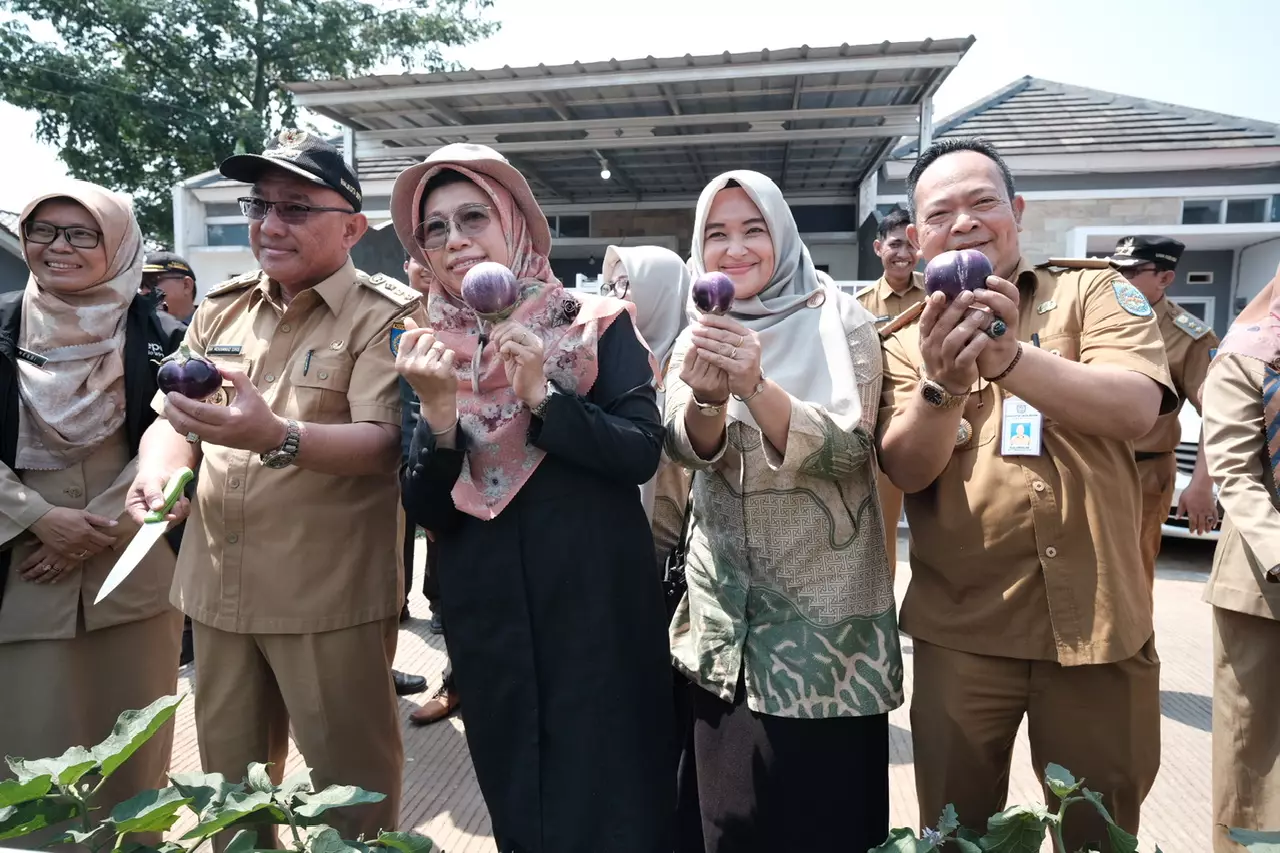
[139, 94]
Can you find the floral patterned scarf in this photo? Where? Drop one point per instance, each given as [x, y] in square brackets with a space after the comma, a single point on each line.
[500, 459]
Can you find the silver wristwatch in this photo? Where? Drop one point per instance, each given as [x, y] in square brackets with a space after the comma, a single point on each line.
[284, 455]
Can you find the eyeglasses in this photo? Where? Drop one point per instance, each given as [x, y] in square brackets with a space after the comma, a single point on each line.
[619, 287]
[433, 232]
[78, 236]
[1133, 272]
[290, 212]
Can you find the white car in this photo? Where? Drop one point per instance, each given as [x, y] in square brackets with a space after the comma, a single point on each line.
[1186, 456]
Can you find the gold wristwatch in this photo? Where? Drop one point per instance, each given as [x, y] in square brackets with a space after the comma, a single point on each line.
[939, 397]
[710, 409]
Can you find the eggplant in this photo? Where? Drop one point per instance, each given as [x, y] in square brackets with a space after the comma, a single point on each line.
[188, 374]
[713, 293]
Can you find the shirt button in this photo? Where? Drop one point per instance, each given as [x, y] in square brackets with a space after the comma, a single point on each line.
[1038, 486]
[324, 375]
[234, 482]
[232, 538]
[73, 492]
[286, 328]
[270, 377]
[1051, 551]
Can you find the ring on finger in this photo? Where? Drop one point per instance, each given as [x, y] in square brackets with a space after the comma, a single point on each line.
[997, 328]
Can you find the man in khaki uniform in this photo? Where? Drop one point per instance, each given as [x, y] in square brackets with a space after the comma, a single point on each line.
[1149, 263]
[1026, 596]
[898, 289]
[1243, 588]
[290, 566]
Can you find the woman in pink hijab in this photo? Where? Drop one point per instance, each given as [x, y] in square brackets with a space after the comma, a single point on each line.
[1242, 447]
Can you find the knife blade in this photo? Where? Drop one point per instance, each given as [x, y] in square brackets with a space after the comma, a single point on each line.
[153, 527]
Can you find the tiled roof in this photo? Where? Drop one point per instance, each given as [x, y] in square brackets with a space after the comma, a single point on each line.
[1036, 116]
[9, 222]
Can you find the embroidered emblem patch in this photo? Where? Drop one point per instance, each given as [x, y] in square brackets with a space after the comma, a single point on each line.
[1131, 299]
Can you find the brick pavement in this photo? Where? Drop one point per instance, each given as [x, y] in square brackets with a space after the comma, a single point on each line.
[442, 800]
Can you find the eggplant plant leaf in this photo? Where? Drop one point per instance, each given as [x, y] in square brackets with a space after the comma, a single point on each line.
[325, 839]
[407, 842]
[312, 806]
[237, 806]
[903, 841]
[259, 778]
[14, 792]
[1256, 842]
[132, 730]
[150, 811]
[204, 789]
[950, 821]
[1059, 780]
[1018, 829]
[244, 841]
[66, 769]
[34, 816]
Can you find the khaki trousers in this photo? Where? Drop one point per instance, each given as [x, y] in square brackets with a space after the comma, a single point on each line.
[1246, 725]
[1101, 722]
[891, 508]
[334, 687]
[55, 694]
[1157, 479]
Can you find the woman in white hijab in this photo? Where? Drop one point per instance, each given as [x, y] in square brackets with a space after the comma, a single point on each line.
[788, 626]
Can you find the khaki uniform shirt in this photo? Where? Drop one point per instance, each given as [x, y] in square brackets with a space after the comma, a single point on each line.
[1187, 346]
[1035, 557]
[46, 611]
[291, 550]
[1236, 451]
[882, 301]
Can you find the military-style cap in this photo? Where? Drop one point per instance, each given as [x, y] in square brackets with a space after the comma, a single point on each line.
[1164, 252]
[304, 154]
[162, 262]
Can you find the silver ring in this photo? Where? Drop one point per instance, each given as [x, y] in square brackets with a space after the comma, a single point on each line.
[193, 438]
[997, 328]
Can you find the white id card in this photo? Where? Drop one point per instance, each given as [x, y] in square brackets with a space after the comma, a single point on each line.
[1020, 429]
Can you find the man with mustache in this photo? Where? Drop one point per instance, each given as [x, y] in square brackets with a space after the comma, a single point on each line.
[290, 566]
[1027, 594]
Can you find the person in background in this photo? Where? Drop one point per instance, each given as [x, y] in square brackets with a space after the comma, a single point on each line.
[446, 699]
[788, 629]
[657, 282]
[289, 567]
[1241, 409]
[1150, 264]
[77, 374]
[535, 435]
[1027, 597]
[898, 288]
[169, 280]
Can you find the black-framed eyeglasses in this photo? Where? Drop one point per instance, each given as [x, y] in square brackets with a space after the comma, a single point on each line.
[470, 219]
[1132, 272]
[619, 287]
[77, 236]
[290, 212]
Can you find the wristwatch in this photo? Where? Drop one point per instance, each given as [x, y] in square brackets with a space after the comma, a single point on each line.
[939, 397]
[540, 411]
[284, 455]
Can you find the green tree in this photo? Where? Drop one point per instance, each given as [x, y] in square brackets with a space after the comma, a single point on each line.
[139, 94]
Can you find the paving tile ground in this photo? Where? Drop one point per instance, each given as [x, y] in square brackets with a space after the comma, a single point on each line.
[441, 798]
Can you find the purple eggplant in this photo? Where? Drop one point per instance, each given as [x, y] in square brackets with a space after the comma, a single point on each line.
[956, 271]
[188, 374]
[491, 290]
[713, 293]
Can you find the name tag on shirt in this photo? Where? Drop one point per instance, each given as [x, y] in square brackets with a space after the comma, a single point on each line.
[1020, 429]
[32, 357]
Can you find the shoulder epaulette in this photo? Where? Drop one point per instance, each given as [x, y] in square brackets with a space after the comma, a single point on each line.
[238, 283]
[399, 293]
[1076, 263]
[1189, 323]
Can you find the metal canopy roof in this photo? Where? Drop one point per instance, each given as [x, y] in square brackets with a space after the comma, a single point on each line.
[816, 120]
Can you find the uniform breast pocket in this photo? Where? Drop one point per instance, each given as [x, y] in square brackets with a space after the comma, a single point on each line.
[981, 423]
[320, 389]
[227, 393]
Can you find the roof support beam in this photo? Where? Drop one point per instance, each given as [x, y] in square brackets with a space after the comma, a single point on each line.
[684, 140]
[682, 120]
[644, 77]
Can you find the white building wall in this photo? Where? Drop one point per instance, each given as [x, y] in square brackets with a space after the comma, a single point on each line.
[1259, 264]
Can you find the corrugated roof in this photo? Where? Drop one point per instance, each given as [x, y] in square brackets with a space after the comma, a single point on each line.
[9, 222]
[815, 119]
[1037, 116]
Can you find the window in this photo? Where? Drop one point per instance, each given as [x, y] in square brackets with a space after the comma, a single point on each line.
[227, 234]
[570, 226]
[1228, 211]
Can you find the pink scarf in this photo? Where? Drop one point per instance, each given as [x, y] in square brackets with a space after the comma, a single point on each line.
[1256, 331]
[500, 459]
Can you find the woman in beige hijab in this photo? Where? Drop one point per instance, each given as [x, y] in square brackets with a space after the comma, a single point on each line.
[77, 375]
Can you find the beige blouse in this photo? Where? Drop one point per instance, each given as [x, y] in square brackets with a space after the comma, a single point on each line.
[99, 484]
[1235, 449]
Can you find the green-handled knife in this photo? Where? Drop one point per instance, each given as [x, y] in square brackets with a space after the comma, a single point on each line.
[153, 528]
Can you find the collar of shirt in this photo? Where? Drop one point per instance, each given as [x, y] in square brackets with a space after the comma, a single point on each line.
[885, 291]
[333, 291]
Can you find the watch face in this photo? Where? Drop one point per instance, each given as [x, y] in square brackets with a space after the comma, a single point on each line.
[276, 459]
[932, 394]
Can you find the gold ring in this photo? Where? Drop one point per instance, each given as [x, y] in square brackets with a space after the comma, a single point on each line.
[741, 340]
[734, 354]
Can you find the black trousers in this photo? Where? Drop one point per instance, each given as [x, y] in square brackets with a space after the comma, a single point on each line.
[779, 783]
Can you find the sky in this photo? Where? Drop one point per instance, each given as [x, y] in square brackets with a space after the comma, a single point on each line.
[1215, 56]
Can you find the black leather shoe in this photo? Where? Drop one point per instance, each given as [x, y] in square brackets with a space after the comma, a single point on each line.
[437, 623]
[407, 685]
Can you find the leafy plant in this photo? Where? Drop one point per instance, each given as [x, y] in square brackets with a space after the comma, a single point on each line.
[1018, 829]
[48, 792]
